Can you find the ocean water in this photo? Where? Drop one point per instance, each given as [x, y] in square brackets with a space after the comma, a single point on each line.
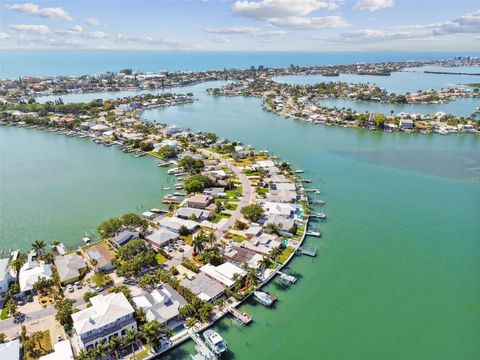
[50, 62]
[397, 272]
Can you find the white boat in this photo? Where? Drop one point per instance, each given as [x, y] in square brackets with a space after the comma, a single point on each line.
[86, 240]
[174, 171]
[263, 298]
[215, 341]
[167, 188]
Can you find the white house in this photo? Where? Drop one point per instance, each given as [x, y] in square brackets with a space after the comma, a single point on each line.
[31, 272]
[162, 304]
[63, 351]
[110, 315]
[5, 278]
[224, 273]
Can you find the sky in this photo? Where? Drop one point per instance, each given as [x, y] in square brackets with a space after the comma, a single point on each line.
[246, 25]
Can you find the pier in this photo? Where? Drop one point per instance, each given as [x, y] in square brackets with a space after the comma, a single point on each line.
[320, 216]
[308, 252]
[243, 317]
[286, 277]
[314, 233]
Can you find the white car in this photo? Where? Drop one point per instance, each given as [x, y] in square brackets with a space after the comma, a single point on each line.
[70, 288]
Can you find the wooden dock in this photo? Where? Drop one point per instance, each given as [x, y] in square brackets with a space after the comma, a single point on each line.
[244, 317]
[171, 201]
[308, 252]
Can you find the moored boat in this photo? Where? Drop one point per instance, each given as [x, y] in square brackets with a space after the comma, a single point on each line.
[215, 342]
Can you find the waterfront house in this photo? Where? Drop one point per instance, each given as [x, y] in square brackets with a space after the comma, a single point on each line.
[282, 196]
[188, 213]
[5, 277]
[283, 209]
[239, 255]
[31, 272]
[160, 237]
[10, 350]
[70, 267]
[224, 273]
[253, 230]
[406, 124]
[204, 287]
[162, 304]
[263, 243]
[199, 201]
[63, 351]
[281, 221]
[101, 257]
[175, 223]
[124, 236]
[110, 315]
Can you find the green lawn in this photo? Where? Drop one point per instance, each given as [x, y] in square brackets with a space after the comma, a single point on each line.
[42, 348]
[262, 190]
[238, 238]
[144, 353]
[220, 216]
[4, 315]
[285, 254]
[230, 206]
[160, 258]
[235, 192]
[188, 239]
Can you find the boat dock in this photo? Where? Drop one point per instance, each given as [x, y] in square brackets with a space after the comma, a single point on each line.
[243, 317]
[321, 216]
[317, 202]
[286, 277]
[203, 352]
[308, 252]
[313, 190]
[171, 201]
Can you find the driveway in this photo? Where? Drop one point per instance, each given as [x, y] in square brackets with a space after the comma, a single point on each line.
[247, 195]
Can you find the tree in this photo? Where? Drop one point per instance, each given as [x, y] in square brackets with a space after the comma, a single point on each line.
[252, 212]
[168, 332]
[167, 152]
[198, 243]
[83, 355]
[2, 338]
[109, 227]
[151, 333]
[187, 311]
[197, 183]
[265, 262]
[205, 312]
[43, 285]
[115, 343]
[251, 278]
[39, 246]
[11, 307]
[190, 322]
[88, 295]
[131, 338]
[191, 165]
[65, 310]
[101, 350]
[148, 282]
[183, 231]
[275, 253]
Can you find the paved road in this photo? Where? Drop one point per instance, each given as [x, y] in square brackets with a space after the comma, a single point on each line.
[247, 195]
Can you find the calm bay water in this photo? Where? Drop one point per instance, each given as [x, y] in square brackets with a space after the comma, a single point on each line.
[397, 274]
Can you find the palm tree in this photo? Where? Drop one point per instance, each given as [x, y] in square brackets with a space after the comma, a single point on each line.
[198, 243]
[151, 334]
[251, 278]
[211, 239]
[101, 350]
[131, 338]
[168, 332]
[265, 262]
[39, 246]
[115, 345]
[190, 322]
[275, 253]
[83, 355]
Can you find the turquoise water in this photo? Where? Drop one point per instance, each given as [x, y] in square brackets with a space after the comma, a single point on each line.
[77, 62]
[398, 82]
[56, 188]
[397, 276]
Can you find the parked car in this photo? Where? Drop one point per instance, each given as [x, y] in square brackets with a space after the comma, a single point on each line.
[98, 288]
[78, 285]
[59, 338]
[70, 288]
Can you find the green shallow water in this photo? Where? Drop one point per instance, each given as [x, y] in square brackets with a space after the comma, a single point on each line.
[398, 272]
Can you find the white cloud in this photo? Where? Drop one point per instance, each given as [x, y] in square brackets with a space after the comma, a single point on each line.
[47, 12]
[373, 5]
[234, 30]
[76, 29]
[4, 36]
[220, 39]
[37, 29]
[290, 13]
[311, 22]
[467, 24]
[246, 30]
[93, 22]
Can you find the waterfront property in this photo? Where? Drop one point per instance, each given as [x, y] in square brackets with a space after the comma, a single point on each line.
[162, 304]
[71, 267]
[31, 272]
[110, 315]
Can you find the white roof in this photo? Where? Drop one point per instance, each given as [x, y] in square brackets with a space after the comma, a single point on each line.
[285, 186]
[30, 272]
[105, 309]
[10, 350]
[176, 223]
[265, 163]
[279, 208]
[223, 273]
[63, 351]
[161, 236]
